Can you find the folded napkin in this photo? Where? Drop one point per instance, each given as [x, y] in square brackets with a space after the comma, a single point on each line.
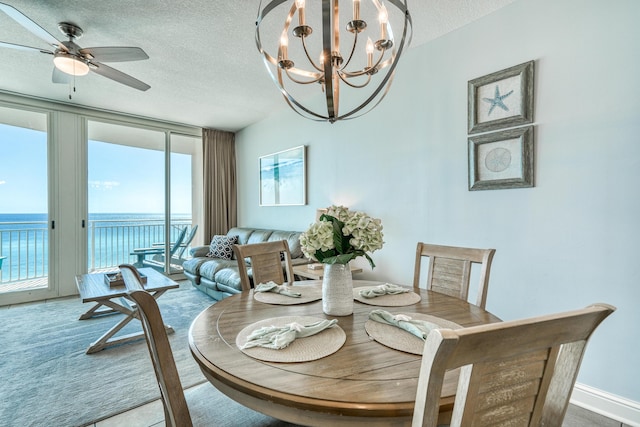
[279, 337]
[419, 328]
[278, 289]
[386, 289]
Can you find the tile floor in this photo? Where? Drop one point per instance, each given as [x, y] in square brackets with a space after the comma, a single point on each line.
[152, 415]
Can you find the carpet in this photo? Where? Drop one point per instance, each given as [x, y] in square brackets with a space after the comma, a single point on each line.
[46, 379]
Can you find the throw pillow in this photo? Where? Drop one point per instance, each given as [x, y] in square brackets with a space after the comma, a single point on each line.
[222, 247]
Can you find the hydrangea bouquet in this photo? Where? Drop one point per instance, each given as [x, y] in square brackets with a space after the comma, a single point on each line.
[341, 235]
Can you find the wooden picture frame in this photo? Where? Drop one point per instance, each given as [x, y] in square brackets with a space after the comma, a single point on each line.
[502, 99]
[283, 178]
[501, 160]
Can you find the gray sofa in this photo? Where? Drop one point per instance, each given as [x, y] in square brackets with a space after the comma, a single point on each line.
[219, 278]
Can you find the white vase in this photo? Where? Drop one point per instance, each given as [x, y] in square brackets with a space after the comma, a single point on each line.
[337, 290]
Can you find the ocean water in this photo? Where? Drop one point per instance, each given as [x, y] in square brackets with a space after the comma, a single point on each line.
[24, 240]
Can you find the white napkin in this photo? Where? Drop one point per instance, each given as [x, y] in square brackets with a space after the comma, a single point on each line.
[386, 289]
[278, 289]
[279, 337]
[419, 328]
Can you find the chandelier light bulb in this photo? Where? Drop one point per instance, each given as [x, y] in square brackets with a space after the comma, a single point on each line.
[300, 7]
[369, 52]
[383, 18]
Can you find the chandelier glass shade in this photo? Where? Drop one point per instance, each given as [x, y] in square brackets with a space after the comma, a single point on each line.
[332, 63]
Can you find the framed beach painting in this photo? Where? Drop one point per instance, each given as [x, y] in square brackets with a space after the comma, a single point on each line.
[283, 178]
[502, 99]
[501, 159]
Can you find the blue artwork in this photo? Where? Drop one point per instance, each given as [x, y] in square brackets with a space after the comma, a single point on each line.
[282, 178]
[496, 101]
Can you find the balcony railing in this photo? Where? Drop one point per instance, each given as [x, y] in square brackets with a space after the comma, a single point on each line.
[26, 244]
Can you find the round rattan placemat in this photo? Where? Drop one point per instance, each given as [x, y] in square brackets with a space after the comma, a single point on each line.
[306, 349]
[399, 339]
[307, 294]
[397, 300]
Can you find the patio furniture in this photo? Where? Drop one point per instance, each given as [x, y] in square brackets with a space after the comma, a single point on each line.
[142, 253]
[176, 260]
[449, 270]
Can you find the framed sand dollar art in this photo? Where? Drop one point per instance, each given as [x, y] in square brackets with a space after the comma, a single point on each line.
[501, 159]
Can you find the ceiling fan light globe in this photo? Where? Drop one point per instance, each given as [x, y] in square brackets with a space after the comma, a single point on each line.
[70, 65]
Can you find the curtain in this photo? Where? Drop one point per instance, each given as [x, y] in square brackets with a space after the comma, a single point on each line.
[220, 201]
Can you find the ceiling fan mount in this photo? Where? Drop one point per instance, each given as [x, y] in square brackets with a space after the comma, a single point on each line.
[70, 30]
[71, 60]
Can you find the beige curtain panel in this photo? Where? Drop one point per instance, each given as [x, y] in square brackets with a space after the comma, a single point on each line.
[220, 201]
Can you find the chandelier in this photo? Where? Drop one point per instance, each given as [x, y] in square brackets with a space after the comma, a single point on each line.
[315, 57]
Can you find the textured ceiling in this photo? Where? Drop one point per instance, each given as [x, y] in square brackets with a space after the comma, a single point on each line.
[204, 68]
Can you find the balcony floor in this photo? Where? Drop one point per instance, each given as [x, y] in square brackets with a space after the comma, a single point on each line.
[40, 282]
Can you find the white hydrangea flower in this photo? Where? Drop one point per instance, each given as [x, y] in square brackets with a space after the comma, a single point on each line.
[340, 212]
[364, 233]
[318, 237]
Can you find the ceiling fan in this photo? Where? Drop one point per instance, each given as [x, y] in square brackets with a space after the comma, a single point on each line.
[70, 60]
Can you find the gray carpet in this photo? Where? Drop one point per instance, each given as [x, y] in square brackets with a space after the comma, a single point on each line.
[46, 379]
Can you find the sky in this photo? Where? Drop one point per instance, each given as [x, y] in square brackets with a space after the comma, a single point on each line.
[122, 179]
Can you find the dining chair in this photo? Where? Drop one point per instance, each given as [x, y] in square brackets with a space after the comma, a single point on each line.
[449, 270]
[269, 261]
[519, 372]
[177, 412]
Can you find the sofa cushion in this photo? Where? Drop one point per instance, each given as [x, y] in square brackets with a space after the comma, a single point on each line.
[228, 280]
[293, 240]
[222, 247]
[259, 236]
[209, 269]
[193, 265]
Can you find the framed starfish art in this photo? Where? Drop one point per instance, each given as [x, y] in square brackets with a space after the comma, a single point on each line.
[502, 99]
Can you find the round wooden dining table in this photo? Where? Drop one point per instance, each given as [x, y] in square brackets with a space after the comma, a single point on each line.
[362, 383]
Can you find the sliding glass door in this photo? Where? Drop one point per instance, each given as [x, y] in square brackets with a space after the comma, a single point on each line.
[130, 181]
[24, 201]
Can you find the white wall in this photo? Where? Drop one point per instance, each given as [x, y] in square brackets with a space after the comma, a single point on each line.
[564, 244]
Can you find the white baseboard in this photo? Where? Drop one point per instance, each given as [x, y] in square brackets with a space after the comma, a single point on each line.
[606, 404]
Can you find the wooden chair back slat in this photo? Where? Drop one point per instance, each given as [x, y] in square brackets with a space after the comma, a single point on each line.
[269, 261]
[449, 270]
[516, 373]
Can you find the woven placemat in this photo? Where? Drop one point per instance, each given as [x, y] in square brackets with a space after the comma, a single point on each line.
[307, 294]
[306, 349]
[397, 300]
[399, 339]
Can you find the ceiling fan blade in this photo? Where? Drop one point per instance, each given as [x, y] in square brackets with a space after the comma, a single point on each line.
[27, 23]
[27, 48]
[118, 76]
[115, 54]
[60, 77]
